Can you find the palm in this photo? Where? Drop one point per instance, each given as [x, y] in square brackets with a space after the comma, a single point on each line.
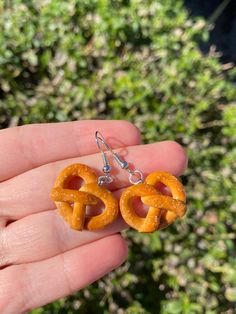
[40, 256]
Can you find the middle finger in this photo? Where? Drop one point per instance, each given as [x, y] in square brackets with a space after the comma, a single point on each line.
[29, 192]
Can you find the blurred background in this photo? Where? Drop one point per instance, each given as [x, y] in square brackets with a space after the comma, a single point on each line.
[167, 66]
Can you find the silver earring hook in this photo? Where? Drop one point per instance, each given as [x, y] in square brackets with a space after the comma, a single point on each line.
[107, 178]
[135, 176]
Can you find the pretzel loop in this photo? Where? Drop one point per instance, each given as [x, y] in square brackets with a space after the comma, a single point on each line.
[163, 209]
[72, 203]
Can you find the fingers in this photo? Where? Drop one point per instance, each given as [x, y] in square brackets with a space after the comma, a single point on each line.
[43, 235]
[21, 240]
[3, 223]
[29, 192]
[42, 282]
[26, 147]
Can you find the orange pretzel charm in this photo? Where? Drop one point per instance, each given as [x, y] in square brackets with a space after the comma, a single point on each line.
[163, 209]
[72, 203]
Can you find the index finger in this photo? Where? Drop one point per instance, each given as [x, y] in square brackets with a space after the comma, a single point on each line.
[26, 147]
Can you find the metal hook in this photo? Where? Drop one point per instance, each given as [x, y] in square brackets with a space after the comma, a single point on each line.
[107, 178]
[99, 136]
[122, 163]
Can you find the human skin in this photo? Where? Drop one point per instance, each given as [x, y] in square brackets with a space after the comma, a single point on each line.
[41, 258]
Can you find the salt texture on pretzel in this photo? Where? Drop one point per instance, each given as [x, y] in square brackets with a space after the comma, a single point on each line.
[163, 209]
[72, 203]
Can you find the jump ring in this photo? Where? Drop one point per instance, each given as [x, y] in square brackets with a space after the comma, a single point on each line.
[135, 174]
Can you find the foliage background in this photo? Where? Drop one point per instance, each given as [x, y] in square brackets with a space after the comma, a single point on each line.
[137, 60]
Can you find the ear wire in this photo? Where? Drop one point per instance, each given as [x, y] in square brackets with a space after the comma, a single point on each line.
[135, 176]
[106, 178]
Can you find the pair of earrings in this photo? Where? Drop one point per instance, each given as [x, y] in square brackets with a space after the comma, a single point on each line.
[72, 203]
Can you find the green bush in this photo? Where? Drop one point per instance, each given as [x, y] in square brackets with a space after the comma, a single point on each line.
[137, 60]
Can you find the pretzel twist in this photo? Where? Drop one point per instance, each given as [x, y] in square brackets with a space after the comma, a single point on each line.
[163, 209]
[72, 203]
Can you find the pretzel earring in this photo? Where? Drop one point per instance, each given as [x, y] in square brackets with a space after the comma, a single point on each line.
[72, 203]
[163, 209]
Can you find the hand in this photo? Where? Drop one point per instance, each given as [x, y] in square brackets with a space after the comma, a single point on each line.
[41, 258]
